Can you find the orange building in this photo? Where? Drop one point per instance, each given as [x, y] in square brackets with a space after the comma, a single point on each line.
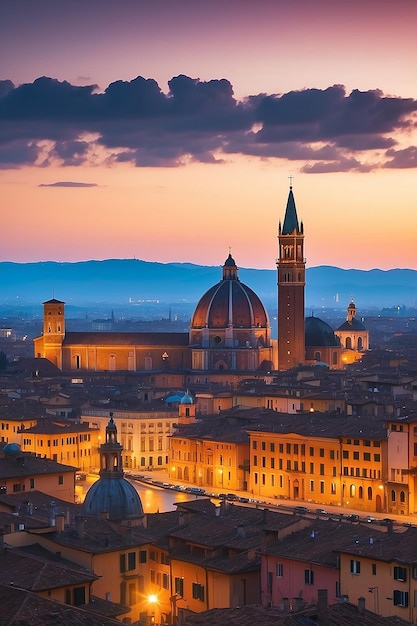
[24, 472]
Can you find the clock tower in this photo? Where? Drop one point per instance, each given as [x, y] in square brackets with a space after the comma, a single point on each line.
[291, 286]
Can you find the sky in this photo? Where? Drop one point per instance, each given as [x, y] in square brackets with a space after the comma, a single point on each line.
[169, 130]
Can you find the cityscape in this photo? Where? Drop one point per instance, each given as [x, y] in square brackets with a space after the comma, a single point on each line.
[208, 313]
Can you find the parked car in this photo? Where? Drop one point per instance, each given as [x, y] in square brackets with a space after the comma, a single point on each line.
[353, 517]
[301, 510]
[321, 512]
[370, 519]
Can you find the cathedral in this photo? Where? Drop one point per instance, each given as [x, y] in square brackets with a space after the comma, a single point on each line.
[229, 331]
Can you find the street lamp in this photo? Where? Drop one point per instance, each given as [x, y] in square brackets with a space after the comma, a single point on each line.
[153, 602]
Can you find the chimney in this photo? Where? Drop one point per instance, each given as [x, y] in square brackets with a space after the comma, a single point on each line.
[241, 530]
[60, 522]
[79, 526]
[322, 607]
[361, 605]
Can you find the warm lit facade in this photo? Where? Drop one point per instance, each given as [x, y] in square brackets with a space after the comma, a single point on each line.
[144, 434]
[332, 469]
[23, 472]
[210, 463]
[73, 444]
[383, 569]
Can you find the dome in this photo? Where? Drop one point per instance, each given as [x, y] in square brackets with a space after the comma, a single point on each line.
[351, 325]
[319, 333]
[230, 303]
[115, 496]
[12, 449]
[187, 399]
[112, 493]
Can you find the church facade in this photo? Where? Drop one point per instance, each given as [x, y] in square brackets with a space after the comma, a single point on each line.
[229, 331]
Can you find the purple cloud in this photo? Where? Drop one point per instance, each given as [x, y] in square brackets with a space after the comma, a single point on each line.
[135, 121]
[68, 183]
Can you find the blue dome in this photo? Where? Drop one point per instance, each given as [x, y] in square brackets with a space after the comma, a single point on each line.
[187, 399]
[115, 496]
[12, 448]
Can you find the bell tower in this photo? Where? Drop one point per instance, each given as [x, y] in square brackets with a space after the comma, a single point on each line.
[53, 331]
[291, 285]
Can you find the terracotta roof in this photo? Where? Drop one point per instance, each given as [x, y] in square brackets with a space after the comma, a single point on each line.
[123, 339]
[27, 464]
[25, 608]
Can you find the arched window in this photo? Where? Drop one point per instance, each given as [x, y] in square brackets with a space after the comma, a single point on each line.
[360, 492]
[317, 356]
[360, 343]
[334, 358]
[369, 493]
[402, 496]
[352, 491]
[393, 495]
[348, 343]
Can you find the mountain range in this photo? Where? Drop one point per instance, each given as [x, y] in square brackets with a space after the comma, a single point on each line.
[129, 281]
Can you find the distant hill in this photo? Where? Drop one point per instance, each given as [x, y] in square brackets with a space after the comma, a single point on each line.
[118, 281]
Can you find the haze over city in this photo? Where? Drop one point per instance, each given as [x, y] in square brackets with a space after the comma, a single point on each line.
[167, 131]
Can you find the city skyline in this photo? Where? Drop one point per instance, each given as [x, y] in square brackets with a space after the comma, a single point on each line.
[170, 131]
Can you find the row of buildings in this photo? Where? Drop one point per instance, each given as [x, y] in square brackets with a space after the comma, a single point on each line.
[107, 559]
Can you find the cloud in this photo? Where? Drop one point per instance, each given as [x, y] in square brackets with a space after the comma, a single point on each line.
[51, 121]
[68, 183]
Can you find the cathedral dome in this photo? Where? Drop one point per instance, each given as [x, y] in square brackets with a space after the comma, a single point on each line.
[230, 303]
[319, 333]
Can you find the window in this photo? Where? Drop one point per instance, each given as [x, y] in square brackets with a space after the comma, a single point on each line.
[122, 563]
[321, 469]
[311, 451]
[272, 447]
[355, 567]
[281, 447]
[131, 561]
[179, 586]
[373, 569]
[198, 592]
[280, 570]
[400, 598]
[321, 452]
[309, 577]
[165, 581]
[377, 457]
[356, 456]
[345, 454]
[263, 445]
[153, 556]
[60, 480]
[366, 456]
[400, 573]
[142, 556]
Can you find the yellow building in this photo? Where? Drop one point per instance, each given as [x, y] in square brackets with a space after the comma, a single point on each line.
[73, 444]
[382, 569]
[143, 433]
[310, 458]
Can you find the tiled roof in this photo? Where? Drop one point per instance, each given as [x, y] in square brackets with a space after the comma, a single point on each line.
[123, 339]
[27, 464]
[36, 574]
[24, 608]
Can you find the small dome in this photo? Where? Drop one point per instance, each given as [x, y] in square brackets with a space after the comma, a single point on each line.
[116, 496]
[12, 449]
[187, 399]
[319, 333]
[353, 324]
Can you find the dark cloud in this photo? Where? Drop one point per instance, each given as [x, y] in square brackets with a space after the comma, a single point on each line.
[402, 159]
[68, 183]
[135, 121]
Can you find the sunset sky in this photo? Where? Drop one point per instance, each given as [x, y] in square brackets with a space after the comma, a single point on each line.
[166, 130]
